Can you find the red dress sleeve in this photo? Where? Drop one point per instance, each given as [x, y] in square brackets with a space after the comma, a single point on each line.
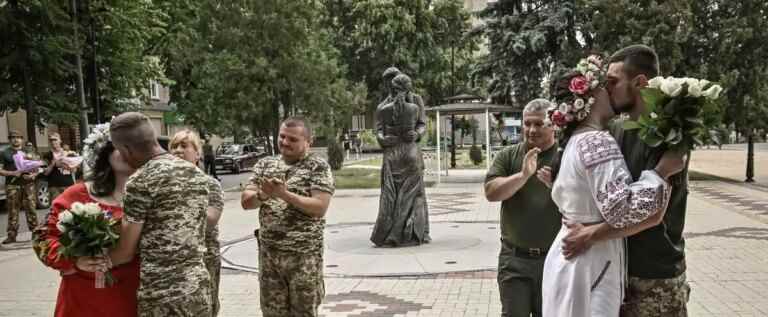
[63, 202]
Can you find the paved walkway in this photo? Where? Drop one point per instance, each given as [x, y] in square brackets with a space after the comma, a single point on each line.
[727, 250]
[731, 163]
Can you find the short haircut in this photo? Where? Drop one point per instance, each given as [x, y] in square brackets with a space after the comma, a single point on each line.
[537, 105]
[54, 135]
[638, 59]
[188, 136]
[134, 130]
[299, 121]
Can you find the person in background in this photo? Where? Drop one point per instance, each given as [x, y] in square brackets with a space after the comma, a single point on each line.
[60, 175]
[19, 188]
[186, 145]
[209, 159]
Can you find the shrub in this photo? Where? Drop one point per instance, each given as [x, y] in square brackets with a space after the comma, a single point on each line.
[476, 155]
[335, 155]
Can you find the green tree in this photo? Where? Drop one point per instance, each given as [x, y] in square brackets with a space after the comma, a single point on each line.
[417, 36]
[527, 41]
[249, 64]
[34, 63]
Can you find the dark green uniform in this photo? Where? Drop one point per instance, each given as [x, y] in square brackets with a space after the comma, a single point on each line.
[530, 221]
[291, 242]
[657, 285]
[20, 194]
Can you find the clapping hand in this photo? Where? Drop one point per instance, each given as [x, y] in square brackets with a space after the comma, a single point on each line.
[530, 162]
[544, 175]
[274, 188]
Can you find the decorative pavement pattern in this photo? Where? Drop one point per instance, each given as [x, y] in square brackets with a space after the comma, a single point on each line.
[442, 204]
[367, 304]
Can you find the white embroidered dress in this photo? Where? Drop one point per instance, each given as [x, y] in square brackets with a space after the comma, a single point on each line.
[594, 185]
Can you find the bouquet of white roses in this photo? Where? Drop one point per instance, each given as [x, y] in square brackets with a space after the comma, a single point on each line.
[676, 108]
[87, 230]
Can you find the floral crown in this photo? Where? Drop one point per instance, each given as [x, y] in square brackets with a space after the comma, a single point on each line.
[587, 75]
[93, 144]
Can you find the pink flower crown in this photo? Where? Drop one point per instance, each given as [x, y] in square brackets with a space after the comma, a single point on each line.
[587, 75]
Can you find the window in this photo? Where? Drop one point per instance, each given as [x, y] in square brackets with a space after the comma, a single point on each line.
[154, 90]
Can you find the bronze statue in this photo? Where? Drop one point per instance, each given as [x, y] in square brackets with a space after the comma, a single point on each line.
[400, 123]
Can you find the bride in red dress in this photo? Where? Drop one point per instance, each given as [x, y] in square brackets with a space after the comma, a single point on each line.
[106, 174]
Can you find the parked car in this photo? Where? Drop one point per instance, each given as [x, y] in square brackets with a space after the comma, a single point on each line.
[43, 201]
[238, 157]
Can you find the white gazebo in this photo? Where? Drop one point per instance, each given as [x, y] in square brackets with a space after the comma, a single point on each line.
[465, 105]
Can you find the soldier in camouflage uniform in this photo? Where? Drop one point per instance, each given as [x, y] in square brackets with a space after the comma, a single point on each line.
[293, 192]
[165, 207]
[187, 145]
[19, 188]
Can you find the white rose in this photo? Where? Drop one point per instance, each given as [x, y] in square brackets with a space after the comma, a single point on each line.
[565, 108]
[66, 217]
[591, 101]
[654, 115]
[77, 208]
[655, 82]
[713, 92]
[694, 89]
[92, 209]
[581, 115]
[671, 87]
[578, 104]
[61, 227]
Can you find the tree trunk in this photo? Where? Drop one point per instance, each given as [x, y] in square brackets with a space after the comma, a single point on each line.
[29, 105]
[79, 70]
[275, 125]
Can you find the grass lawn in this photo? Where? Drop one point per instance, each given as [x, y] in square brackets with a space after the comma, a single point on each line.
[371, 162]
[350, 178]
[361, 178]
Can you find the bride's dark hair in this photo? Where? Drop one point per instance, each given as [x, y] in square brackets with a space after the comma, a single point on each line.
[102, 176]
[562, 94]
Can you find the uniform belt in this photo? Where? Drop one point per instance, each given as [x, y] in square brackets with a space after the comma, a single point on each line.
[525, 252]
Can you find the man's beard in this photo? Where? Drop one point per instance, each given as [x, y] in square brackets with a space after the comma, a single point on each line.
[622, 108]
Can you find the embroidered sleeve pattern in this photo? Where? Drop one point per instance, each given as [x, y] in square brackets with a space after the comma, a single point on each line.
[623, 203]
[598, 148]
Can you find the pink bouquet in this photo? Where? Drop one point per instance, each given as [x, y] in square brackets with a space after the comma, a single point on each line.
[72, 161]
[25, 165]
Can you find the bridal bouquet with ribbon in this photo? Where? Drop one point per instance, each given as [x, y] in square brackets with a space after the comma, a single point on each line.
[676, 108]
[87, 230]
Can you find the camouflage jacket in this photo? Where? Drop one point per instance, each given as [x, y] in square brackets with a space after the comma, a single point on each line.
[285, 227]
[215, 200]
[170, 197]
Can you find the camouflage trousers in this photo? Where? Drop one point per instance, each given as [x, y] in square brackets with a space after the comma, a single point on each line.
[213, 264]
[197, 304]
[20, 197]
[55, 191]
[291, 283]
[656, 297]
